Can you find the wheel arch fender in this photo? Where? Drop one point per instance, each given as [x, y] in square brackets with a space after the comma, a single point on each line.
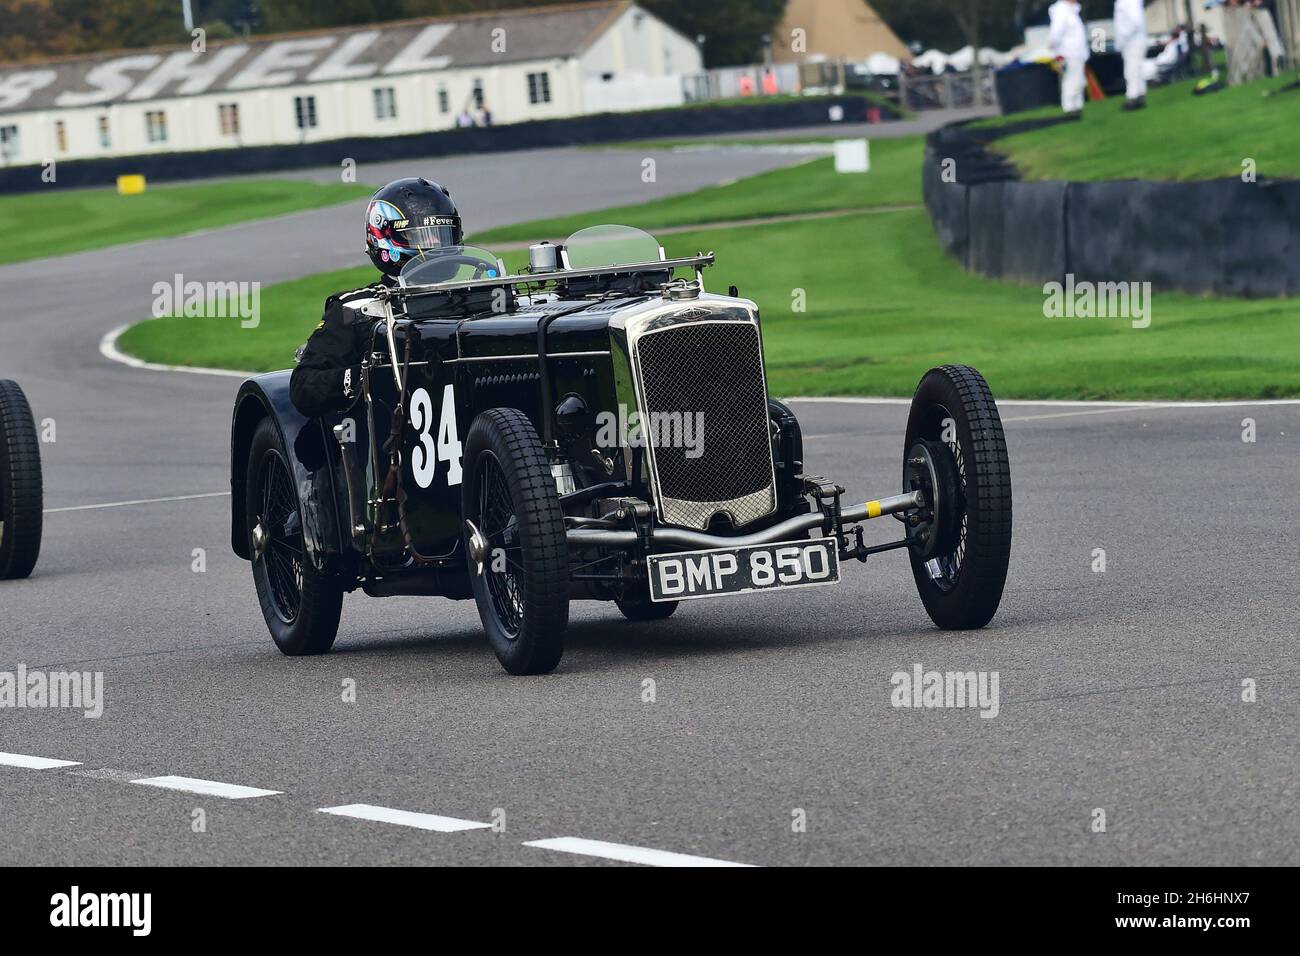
[311, 454]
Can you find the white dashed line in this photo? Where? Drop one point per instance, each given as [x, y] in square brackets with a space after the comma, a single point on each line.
[626, 854]
[209, 788]
[405, 818]
[620, 852]
[138, 501]
[35, 763]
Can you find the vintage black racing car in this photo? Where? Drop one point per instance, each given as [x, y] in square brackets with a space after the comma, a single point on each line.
[595, 426]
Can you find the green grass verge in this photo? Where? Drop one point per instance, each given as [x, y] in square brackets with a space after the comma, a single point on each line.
[1178, 137]
[57, 221]
[894, 180]
[883, 304]
[289, 313]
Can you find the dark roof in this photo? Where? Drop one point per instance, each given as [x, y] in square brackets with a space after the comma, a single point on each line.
[536, 33]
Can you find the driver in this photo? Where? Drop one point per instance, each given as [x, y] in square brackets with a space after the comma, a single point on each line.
[404, 219]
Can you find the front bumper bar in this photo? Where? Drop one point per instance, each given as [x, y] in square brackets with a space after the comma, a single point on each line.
[682, 538]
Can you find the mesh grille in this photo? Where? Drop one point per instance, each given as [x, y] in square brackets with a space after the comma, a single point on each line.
[709, 375]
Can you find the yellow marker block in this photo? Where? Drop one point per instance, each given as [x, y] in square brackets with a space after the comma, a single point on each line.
[131, 185]
[873, 509]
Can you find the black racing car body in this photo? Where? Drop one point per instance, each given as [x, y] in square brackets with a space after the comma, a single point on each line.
[608, 422]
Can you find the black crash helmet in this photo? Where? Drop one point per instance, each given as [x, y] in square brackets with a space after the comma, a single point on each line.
[408, 217]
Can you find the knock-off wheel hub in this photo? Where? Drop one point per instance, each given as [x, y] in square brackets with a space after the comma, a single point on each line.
[931, 468]
[260, 539]
[478, 545]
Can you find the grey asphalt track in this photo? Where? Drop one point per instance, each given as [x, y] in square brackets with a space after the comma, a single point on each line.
[1119, 691]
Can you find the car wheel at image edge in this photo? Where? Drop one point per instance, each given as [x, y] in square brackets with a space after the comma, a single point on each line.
[21, 494]
[953, 411]
[520, 576]
[301, 607]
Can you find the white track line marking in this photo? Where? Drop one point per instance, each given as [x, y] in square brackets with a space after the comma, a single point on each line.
[108, 348]
[1057, 403]
[140, 501]
[209, 788]
[35, 763]
[1089, 411]
[405, 818]
[626, 854]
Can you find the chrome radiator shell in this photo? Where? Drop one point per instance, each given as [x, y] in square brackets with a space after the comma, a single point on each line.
[702, 357]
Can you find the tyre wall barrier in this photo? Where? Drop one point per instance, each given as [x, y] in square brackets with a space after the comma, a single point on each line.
[578, 130]
[1221, 237]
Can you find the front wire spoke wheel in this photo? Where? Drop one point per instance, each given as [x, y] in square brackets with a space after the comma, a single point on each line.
[496, 511]
[509, 493]
[945, 569]
[961, 579]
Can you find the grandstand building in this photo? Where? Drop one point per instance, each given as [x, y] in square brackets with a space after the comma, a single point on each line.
[382, 80]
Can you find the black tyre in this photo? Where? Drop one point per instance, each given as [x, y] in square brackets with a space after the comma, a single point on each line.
[954, 415]
[301, 607]
[21, 495]
[522, 588]
[637, 606]
[787, 453]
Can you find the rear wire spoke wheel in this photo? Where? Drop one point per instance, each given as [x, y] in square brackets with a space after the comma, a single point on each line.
[301, 606]
[954, 414]
[509, 495]
[21, 490]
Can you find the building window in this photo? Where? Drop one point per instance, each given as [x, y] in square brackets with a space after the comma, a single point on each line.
[228, 115]
[444, 101]
[61, 136]
[539, 88]
[478, 94]
[304, 111]
[385, 103]
[9, 146]
[105, 134]
[155, 126]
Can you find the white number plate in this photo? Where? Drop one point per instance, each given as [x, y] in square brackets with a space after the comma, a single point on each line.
[766, 567]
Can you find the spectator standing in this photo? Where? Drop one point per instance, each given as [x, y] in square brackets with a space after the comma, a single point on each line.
[1131, 41]
[1070, 42]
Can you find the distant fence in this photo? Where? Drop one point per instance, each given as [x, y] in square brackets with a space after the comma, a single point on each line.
[947, 90]
[1224, 237]
[574, 131]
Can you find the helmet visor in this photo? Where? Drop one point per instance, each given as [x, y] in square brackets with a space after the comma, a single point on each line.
[439, 231]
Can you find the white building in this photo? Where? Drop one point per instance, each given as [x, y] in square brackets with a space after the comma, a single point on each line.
[391, 79]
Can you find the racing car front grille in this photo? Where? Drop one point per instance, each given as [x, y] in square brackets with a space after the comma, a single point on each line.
[706, 398]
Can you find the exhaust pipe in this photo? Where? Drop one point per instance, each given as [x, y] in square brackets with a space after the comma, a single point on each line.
[683, 538]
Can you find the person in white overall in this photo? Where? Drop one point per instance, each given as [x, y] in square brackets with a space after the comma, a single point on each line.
[1070, 42]
[1131, 41]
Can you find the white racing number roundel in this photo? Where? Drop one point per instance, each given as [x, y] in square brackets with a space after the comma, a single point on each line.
[427, 453]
